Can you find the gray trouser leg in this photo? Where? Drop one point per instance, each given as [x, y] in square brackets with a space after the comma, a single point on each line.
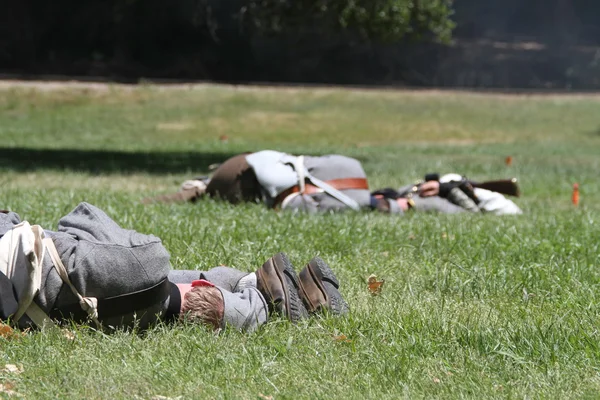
[224, 277]
[436, 204]
[183, 276]
[245, 310]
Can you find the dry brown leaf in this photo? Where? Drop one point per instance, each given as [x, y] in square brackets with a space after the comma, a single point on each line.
[262, 396]
[68, 334]
[12, 369]
[7, 388]
[9, 333]
[374, 285]
[342, 338]
[5, 330]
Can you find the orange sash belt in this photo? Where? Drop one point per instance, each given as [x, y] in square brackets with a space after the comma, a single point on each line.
[339, 184]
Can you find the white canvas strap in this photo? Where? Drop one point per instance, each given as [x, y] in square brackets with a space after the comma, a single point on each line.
[330, 190]
[299, 167]
[333, 192]
[87, 304]
[38, 316]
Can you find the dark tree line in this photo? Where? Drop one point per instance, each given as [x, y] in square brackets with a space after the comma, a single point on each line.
[497, 43]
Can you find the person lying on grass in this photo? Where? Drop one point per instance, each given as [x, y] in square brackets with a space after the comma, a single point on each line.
[91, 269]
[336, 182]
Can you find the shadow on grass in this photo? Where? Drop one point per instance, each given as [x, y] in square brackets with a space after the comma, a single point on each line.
[104, 162]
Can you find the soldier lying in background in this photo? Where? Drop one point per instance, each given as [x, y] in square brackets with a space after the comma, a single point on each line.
[92, 270]
[334, 183]
[453, 193]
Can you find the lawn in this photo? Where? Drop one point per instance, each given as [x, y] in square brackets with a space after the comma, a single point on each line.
[472, 306]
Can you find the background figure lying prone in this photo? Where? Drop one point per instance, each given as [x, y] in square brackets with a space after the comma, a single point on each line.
[334, 183]
[454, 193]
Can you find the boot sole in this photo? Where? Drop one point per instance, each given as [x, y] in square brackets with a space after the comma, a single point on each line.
[294, 309]
[328, 284]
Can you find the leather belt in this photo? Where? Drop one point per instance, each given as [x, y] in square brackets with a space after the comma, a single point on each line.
[339, 184]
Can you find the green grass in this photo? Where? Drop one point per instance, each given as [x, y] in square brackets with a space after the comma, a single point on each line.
[473, 306]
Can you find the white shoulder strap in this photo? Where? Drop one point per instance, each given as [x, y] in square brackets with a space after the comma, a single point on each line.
[88, 304]
[300, 171]
[38, 316]
[333, 192]
[330, 190]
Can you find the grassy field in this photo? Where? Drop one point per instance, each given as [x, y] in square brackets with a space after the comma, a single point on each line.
[473, 306]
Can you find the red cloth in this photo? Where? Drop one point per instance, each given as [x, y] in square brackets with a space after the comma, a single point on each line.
[201, 282]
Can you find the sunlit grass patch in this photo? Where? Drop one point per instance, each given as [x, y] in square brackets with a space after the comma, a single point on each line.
[472, 306]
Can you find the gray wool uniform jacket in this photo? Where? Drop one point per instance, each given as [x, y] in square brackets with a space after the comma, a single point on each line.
[104, 260]
[277, 171]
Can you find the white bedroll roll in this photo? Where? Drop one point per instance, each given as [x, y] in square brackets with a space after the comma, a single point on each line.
[21, 259]
[22, 251]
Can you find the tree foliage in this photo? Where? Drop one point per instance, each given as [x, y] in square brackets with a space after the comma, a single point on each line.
[386, 20]
[326, 41]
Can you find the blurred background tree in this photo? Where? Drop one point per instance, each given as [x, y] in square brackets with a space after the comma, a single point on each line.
[466, 43]
[387, 20]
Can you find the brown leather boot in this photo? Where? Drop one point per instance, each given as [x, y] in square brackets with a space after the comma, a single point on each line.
[319, 288]
[191, 190]
[277, 281]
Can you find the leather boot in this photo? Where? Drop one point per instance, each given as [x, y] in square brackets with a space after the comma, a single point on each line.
[191, 190]
[277, 281]
[319, 288]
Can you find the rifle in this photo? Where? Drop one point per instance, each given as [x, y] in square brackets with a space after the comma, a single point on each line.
[509, 187]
